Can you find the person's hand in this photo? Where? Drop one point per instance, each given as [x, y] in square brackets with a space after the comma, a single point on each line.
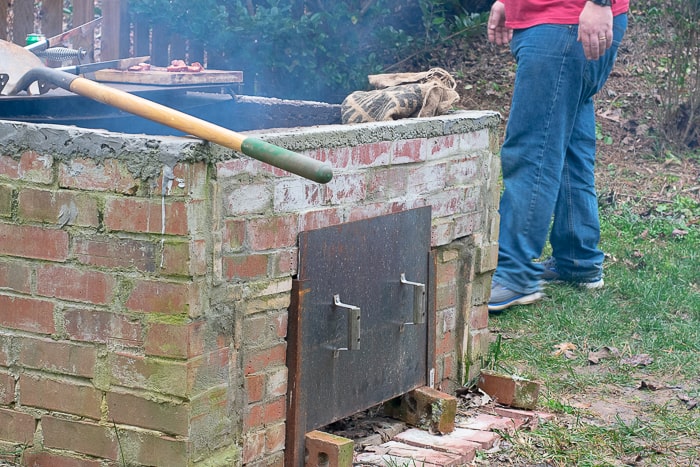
[497, 30]
[595, 31]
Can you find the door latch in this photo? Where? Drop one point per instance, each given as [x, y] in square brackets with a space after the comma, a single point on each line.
[353, 324]
[418, 300]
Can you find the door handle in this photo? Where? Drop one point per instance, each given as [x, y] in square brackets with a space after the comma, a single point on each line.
[353, 323]
[418, 300]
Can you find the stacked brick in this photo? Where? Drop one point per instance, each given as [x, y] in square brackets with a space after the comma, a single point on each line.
[105, 352]
[132, 337]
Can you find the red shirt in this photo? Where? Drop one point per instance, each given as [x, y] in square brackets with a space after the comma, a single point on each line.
[522, 14]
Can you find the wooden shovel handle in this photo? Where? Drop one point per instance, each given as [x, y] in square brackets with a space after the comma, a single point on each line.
[269, 153]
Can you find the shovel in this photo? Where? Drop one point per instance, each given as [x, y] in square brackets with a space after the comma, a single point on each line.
[284, 159]
[15, 61]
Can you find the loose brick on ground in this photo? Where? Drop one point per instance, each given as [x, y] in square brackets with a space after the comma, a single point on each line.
[486, 422]
[509, 390]
[454, 443]
[405, 454]
[327, 449]
[478, 432]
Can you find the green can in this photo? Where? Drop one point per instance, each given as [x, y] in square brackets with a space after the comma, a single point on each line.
[34, 38]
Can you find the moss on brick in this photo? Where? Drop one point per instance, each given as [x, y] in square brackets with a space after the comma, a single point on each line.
[225, 458]
[177, 320]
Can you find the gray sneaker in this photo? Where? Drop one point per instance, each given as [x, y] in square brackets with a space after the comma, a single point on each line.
[502, 297]
[551, 275]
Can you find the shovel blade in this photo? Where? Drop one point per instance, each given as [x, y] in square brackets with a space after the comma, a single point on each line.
[15, 61]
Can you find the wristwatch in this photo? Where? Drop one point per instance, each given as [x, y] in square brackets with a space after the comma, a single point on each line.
[602, 2]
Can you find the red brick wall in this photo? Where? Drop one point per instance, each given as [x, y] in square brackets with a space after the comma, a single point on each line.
[262, 211]
[123, 338]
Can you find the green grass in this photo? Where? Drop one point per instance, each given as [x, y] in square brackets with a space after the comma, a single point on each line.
[650, 305]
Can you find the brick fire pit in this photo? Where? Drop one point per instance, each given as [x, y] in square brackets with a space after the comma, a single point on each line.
[147, 325]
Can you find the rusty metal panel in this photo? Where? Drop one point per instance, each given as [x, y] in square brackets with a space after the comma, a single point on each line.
[340, 365]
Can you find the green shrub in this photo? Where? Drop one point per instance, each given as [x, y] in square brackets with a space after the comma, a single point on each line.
[676, 28]
[305, 50]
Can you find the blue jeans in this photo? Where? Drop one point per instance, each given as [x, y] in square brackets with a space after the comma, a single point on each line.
[548, 158]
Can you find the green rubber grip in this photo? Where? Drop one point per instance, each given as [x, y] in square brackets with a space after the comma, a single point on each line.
[285, 159]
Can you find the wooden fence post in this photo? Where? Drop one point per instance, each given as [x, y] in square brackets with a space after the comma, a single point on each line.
[196, 52]
[3, 19]
[142, 38]
[22, 21]
[159, 46]
[51, 15]
[178, 47]
[84, 12]
[115, 30]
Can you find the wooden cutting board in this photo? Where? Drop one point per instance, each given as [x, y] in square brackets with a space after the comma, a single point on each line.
[161, 77]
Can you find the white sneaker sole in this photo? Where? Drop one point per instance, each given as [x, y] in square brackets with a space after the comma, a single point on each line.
[599, 284]
[524, 300]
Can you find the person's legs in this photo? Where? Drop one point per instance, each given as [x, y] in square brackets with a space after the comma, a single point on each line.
[576, 229]
[547, 88]
[547, 160]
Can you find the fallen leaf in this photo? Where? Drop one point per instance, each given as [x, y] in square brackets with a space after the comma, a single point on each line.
[679, 233]
[611, 114]
[485, 398]
[689, 403]
[635, 460]
[610, 258]
[472, 399]
[641, 359]
[566, 349]
[651, 386]
[606, 352]
[581, 405]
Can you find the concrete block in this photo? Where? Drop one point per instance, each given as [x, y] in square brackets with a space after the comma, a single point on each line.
[425, 408]
[509, 390]
[327, 450]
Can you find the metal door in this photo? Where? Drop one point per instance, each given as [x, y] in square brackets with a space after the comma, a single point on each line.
[358, 328]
